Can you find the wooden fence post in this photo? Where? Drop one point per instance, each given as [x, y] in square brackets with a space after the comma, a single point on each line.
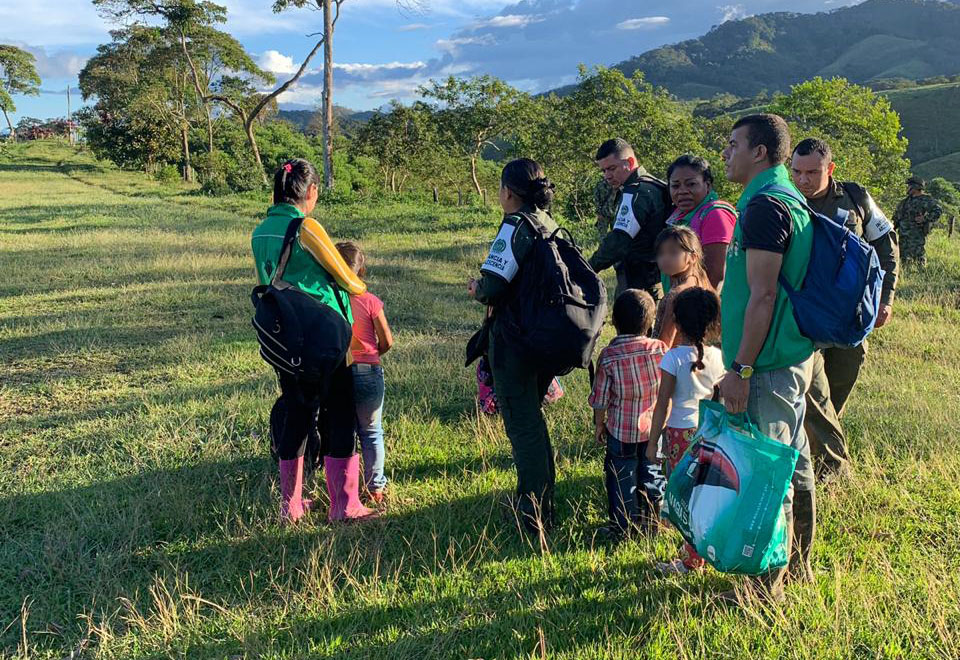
[436, 195]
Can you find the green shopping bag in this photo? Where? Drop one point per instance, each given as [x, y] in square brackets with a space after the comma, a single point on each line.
[726, 494]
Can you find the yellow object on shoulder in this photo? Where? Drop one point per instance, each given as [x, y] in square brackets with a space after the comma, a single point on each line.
[316, 241]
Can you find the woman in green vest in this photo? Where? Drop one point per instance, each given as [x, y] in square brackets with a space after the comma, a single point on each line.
[699, 207]
[319, 412]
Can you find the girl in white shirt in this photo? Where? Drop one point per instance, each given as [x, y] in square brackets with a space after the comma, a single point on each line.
[688, 374]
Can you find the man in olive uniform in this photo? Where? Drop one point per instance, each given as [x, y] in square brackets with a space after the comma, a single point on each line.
[642, 213]
[605, 202]
[914, 219]
[835, 370]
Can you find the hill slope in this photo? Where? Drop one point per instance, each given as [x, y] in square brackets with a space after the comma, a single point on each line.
[874, 40]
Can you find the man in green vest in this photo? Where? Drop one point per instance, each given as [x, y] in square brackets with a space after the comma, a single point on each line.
[836, 369]
[768, 360]
[641, 214]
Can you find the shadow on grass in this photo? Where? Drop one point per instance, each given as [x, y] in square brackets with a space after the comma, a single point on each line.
[79, 550]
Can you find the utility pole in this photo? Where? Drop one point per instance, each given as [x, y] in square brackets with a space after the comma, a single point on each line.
[69, 124]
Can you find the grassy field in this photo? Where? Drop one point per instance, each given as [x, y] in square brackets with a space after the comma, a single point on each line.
[138, 504]
[934, 137]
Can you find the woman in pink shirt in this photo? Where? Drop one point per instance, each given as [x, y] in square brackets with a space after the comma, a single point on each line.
[701, 209]
[371, 339]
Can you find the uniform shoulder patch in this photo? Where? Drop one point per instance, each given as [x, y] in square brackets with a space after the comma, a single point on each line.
[626, 218]
[500, 260]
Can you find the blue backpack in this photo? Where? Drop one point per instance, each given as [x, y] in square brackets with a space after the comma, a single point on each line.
[839, 300]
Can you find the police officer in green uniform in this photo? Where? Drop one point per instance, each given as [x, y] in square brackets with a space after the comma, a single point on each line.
[836, 369]
[641, 215]
[525, 195]
[914, 220]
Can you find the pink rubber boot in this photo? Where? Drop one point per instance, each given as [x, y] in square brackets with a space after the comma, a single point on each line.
[292, 505]
[343, 484]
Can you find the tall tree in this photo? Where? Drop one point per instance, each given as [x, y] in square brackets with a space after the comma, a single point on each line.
[862, 128]
[475, 114]
[205, 52]
[18, 75]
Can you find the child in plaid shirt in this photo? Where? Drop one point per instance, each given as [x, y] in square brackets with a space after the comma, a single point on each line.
[623, 397]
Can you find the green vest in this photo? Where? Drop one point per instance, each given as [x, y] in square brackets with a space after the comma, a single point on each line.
[302, 270]
[784, 345]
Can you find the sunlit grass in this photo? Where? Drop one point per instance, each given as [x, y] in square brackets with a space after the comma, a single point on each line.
[138, 503]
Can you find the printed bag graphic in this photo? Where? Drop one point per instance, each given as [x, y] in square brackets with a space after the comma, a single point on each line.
[726, 494]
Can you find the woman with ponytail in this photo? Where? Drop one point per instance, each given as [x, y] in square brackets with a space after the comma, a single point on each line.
[525, 196]
[308, 409]
[688, 372]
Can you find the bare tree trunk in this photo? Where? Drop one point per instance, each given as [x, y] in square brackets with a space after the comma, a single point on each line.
[327, 95]
[185, 144]
[209, 130]
[473, 174]
[13, 133]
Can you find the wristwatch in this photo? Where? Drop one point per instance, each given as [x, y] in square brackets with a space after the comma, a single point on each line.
[742, 370]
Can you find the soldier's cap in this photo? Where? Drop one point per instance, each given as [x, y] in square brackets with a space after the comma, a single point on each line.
[916, 182]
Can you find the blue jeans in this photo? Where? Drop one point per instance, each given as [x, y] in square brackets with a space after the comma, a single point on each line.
[368, 393]
[634, 485]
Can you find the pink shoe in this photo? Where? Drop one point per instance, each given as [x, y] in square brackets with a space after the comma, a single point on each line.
[343, 485]
[292, 505]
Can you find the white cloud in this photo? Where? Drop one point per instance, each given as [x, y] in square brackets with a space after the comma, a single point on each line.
[643, 23]
[413, 27]
[508, 21]
[59, 65]
[276, 62]
[453, 45]
[732, 12]
[364, 70]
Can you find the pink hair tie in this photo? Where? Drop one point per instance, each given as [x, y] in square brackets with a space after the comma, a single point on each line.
[287, 167]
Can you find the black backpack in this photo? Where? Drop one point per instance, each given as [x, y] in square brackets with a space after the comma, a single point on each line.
[299, 335]
[557, 305]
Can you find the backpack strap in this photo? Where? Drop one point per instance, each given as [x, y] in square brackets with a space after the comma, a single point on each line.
[288, 238]
[859, 196]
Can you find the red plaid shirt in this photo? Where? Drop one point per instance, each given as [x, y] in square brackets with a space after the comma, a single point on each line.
[628, 377]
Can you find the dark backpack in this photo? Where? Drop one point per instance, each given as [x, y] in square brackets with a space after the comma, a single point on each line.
[299, 335]
[557, 306]
[839, 300]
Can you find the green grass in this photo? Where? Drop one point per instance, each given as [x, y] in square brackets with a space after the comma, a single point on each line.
[138, 505]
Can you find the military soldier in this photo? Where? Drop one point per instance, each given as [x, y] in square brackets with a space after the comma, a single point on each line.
[642, 212]
[605, 202]
[525, 193]
[915, 217]
[836, 369]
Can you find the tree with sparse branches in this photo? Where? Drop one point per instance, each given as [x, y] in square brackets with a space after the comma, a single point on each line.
[18, 75]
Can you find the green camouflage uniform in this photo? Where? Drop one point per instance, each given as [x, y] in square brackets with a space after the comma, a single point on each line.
[520, 386]
[836, 370]
[914, 219]
[641, 215]
[605, 203]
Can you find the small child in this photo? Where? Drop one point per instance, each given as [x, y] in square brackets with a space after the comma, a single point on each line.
[371, 339]
[624, 391]
[688, 374]
[680, 258]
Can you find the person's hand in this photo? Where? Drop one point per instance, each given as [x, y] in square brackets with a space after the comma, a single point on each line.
[883, 316]
[600, 435]
[652, 451]
[734, 391]
[472, 287]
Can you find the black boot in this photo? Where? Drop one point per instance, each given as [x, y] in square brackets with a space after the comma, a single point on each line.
[804, 530]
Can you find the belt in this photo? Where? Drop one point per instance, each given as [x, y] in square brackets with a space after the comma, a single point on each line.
[363, 368]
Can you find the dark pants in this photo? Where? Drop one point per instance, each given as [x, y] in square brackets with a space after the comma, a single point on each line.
[835, 372]
[634, 485]
[645, 277]
[320, 414]
[520, 391]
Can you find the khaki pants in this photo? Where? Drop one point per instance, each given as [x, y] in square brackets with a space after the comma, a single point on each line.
[835, 372]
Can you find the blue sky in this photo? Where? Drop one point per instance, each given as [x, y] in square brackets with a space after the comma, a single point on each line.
[384, 51]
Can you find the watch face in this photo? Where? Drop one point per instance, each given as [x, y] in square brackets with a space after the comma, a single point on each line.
[746, 372]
